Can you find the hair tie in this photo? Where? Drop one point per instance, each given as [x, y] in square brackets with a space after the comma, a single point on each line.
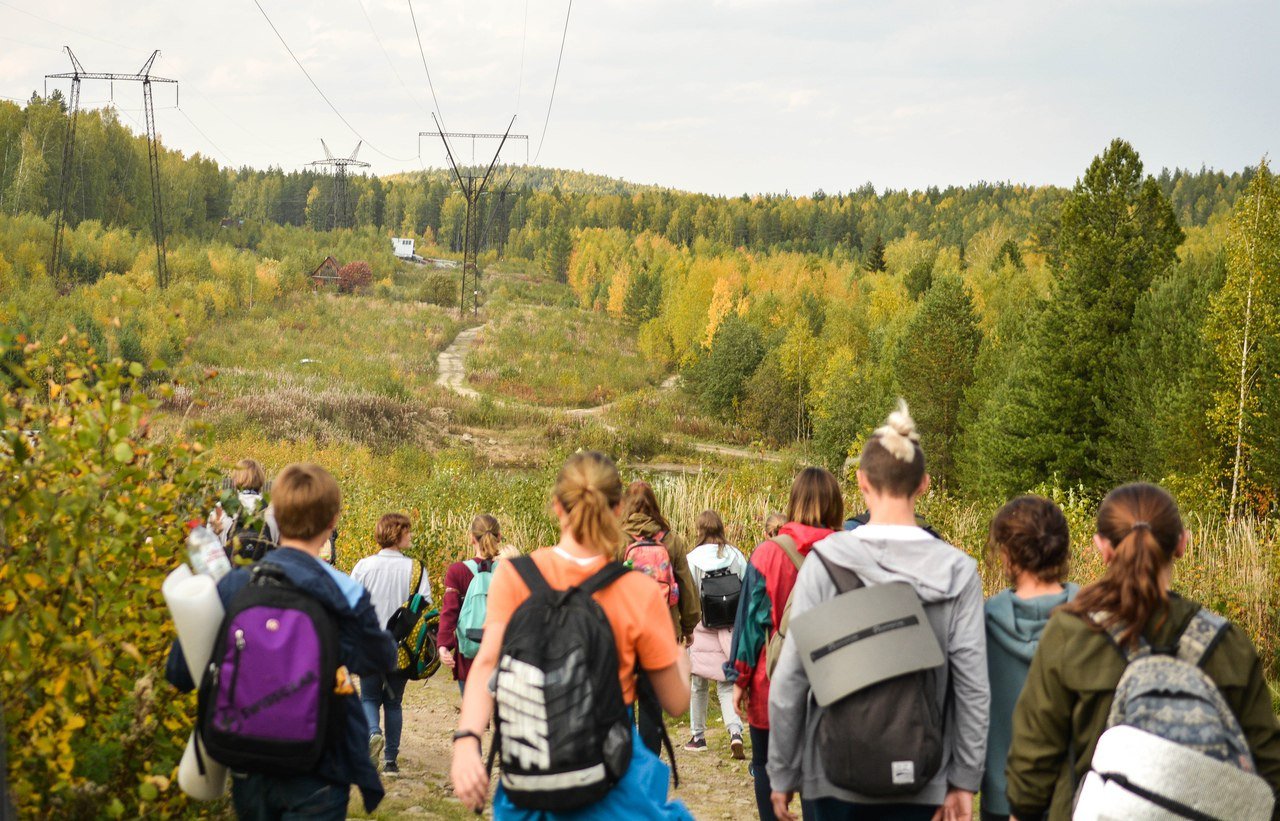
[1140, 524]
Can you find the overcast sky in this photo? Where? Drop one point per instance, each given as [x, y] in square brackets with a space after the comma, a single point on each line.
[723, 96]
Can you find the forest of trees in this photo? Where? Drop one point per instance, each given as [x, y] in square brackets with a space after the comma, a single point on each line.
[1127, 327]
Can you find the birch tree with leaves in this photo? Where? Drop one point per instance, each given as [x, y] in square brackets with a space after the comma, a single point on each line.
[1244, 327]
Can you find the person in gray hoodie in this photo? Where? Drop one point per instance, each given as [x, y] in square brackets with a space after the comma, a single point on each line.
[1030, 541]
[891, 547]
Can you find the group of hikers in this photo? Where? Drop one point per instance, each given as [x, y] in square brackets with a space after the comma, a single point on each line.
[873, 680]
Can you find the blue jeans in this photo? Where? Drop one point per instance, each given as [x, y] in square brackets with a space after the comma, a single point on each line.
[385, 692]
[759, 763]
[296, 798]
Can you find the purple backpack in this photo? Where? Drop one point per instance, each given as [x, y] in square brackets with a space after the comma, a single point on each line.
[266, 702]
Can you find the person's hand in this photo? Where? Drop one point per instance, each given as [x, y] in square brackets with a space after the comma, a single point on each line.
[782, 805]
[216, 517]
[739, 699]
[468, 773]
[958, 806]
[446, 658]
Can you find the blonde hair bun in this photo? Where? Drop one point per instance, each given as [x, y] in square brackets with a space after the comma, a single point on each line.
[898, 435]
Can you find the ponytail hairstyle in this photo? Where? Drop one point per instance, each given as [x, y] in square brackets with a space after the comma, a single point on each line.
[488, 536]
[641, 499]
[1030, 534]
[710, 530]
[892, 460]
[816, 500]
[773, 523]
[1142, 523]
[589, 488]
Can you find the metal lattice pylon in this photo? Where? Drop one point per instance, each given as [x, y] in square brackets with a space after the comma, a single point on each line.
[144, 76]
[340, 166]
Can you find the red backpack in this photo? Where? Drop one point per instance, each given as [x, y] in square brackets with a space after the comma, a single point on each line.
[650, 557]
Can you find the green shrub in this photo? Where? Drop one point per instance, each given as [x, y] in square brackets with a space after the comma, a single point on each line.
[91, 521]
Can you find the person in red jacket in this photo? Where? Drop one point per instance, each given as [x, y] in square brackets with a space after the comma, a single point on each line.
[486, 541]
[815, 511]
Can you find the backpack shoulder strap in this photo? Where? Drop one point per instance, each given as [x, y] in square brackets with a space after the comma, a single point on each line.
[604, 577]
[1130, 654]
[788, 546]
[415, 584]
[473, 566]
[532, 576]
[844, 578]
[1201, 636]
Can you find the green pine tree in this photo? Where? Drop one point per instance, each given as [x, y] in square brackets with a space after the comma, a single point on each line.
[1118, 232]
[875, 257]
[935, 367]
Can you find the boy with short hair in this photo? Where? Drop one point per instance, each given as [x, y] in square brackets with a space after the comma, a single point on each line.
[307, 500]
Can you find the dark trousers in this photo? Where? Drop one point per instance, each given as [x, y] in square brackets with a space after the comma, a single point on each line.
[759, 761]
[648, 715]
[296, 798]
[833, 809]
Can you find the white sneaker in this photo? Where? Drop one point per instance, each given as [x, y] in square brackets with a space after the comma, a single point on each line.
[376, 745]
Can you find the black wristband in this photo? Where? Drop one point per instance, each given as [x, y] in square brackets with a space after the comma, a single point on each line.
[461, 734]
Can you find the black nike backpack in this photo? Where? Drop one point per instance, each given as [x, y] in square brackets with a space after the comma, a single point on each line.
[563, 728]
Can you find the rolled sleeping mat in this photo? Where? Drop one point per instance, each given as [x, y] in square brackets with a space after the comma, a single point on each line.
[1138, 776]
[197, 614]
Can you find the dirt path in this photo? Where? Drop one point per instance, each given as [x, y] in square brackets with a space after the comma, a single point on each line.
[712, 784]
[451, 366]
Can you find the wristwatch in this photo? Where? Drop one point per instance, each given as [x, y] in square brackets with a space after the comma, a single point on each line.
[461, 734]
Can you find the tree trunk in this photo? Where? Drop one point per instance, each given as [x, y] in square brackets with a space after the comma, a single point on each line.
[1244, 367]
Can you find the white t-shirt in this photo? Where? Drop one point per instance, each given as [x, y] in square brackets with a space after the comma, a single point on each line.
[387, 575]
[703, 559]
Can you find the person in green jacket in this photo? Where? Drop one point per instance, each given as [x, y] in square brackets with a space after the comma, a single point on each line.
[1063, 708]
[1030, 541]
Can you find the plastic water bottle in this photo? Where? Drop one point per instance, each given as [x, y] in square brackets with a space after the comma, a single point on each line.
[206, 553]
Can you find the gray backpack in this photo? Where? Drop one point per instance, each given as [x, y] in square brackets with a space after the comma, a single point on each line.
[884, 740]
[1164, 691]
[1172, 748]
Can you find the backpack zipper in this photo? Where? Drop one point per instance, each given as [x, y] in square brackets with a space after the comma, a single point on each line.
[235, 669]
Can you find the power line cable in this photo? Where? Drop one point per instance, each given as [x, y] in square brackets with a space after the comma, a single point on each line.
[20, 10]
[387, 56]
[207, 138]
[554, 82]
[323, 96]
[418, 36]
[524, 38]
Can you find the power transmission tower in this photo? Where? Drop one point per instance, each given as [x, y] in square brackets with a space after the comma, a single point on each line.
[472, 186]
[145, 77]
[340, 166]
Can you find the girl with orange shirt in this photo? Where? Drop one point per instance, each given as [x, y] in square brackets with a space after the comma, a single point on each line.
[586, 501]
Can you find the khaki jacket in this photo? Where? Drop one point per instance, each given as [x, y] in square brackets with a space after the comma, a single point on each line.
[688, 610]
[1063, 708]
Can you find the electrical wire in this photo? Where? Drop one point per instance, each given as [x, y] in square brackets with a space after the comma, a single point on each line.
[554, 82]
[524, 38]
[418, 36]
[21, 10]
[207, 138]
[387, 56]
[314, 85]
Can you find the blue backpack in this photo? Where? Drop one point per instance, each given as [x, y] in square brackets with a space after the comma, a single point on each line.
[474, 607]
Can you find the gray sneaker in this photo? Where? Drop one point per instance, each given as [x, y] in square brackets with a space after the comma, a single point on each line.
[735, 746]
[376, 745]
